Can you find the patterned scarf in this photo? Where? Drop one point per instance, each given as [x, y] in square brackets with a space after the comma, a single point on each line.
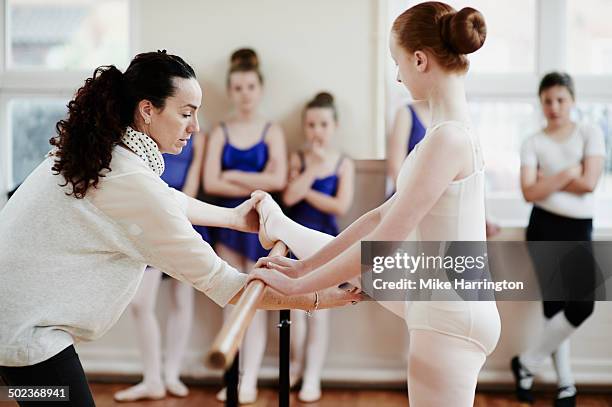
[145, 148]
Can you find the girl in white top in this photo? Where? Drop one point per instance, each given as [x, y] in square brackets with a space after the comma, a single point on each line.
[77, 235]
[560, 167]
[440, 196]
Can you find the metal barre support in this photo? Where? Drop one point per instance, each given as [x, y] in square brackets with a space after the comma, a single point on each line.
[284, 327]
[231, 378]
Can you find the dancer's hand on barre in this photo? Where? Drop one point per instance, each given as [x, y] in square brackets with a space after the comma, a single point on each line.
[277, 280]
[289, 267]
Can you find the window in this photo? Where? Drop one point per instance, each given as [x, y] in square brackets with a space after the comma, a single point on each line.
[525, 40]
[506, 49]
[32, 124]
[66, 34]
[589, 37]
[502, 125]
[47, 49]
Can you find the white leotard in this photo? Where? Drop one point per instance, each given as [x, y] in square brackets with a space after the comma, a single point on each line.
[458, 215]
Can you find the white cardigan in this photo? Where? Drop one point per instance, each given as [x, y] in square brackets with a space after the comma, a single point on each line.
[69, 267]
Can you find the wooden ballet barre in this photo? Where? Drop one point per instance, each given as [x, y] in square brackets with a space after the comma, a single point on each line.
[228, 340]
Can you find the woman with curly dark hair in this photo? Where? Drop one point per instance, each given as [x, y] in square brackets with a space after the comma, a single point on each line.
[77, 235]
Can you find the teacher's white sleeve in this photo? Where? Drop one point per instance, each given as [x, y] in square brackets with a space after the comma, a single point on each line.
[153, 216]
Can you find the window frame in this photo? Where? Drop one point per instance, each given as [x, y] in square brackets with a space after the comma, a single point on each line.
[35, 83]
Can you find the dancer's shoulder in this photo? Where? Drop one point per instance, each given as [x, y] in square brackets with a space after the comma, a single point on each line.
[447, 135]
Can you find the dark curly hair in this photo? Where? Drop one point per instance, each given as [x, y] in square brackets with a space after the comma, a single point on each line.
[101, 110]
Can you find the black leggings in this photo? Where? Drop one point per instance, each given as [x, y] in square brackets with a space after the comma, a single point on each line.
[63, 369]
[547, 226]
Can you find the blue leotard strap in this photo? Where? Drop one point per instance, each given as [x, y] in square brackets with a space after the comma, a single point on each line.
[417, 131]
[302, 161]
[225, 131]
[265, 131]
[340, 160]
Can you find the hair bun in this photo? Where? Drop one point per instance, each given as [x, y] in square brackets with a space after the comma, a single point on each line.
[245, 58]
[324, 98]
[464, 31]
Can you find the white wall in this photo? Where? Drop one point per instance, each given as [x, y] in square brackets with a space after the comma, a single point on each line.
[303, 46]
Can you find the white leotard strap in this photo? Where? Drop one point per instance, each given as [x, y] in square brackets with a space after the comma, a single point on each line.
[466, 128]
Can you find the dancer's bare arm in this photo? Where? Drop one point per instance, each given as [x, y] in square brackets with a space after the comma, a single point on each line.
[445, 157]
[352, 234]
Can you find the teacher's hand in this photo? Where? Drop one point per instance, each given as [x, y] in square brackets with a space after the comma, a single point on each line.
[329, 298]
[246, 218]
[335, 297]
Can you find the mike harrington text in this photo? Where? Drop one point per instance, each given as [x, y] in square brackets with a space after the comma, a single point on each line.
[437, 284]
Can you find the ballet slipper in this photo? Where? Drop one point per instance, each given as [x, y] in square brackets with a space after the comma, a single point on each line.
[140, 391]
[266, 208]
[177, 388]
[247, 396]
[310, 393]
[521, 374]
[566, 397]
[222, 395]
[244, 396]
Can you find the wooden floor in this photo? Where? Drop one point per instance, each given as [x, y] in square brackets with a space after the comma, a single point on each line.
[204, 396]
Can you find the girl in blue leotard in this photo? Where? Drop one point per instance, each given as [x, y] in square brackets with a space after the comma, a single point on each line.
[182, 172]
[321, 184]
[245, 153]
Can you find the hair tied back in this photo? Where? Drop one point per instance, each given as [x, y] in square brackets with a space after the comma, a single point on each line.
[464, 31]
